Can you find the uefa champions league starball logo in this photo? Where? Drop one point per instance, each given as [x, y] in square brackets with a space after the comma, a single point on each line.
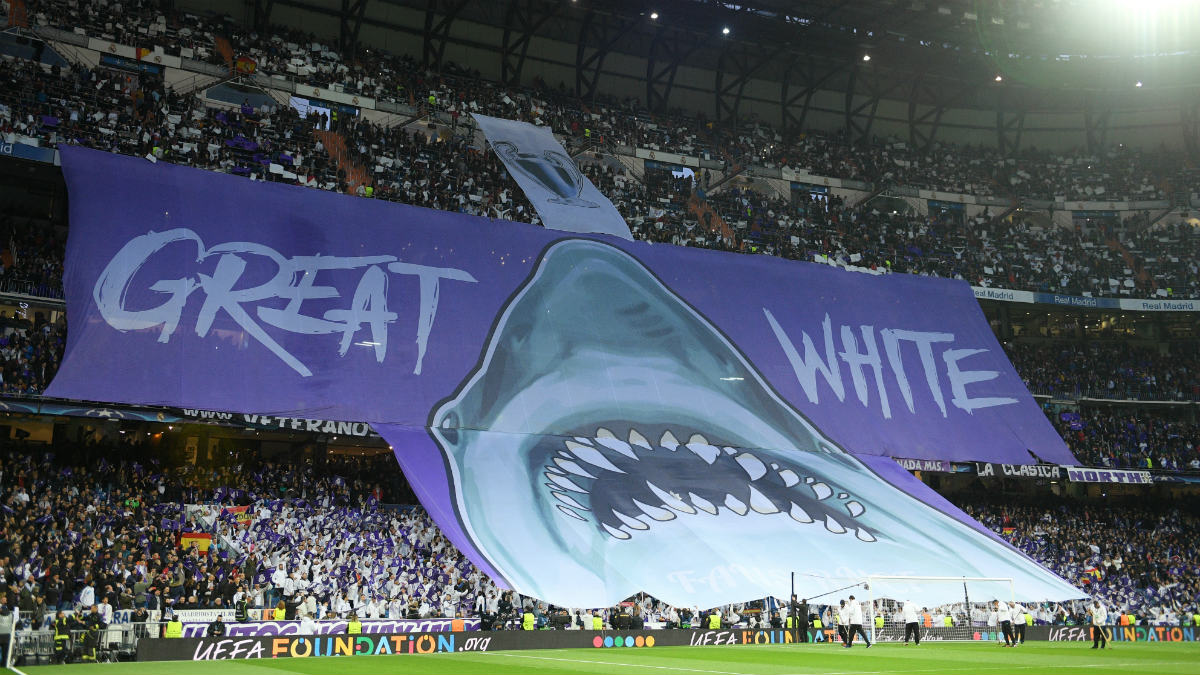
[551, 169]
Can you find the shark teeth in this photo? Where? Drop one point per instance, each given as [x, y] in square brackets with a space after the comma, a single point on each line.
[564, 482]
[752, 465]
[618, 534]
[704, 451]
[702, 503]
[668, 441]
[617, 445]
[799, 515]
[569, 501]
[654, 511]
[760, 503]
[637, 439]
[570, 513]
[833, 525]
[633, 498]
[822, 491]
[670, 500]
[572, 467]
[592, 456]
[630, 521]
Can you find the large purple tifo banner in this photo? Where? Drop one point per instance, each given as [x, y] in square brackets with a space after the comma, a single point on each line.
[584, 417]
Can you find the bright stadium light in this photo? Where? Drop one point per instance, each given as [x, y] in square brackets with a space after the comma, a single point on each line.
[866, 57]
[1138, 83]
[999, 78]
[725, 30]
[654, 16]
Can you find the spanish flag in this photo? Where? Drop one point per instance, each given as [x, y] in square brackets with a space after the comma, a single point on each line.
[202, 540]
[142, 53]
[245, 65]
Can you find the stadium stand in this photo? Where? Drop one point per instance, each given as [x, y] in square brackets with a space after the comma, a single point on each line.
[1130, 555]
[1074, 370]
[98, 521]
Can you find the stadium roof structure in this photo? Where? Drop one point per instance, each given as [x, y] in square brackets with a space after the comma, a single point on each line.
[1088, 58]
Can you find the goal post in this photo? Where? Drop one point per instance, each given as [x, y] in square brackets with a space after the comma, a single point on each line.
[948, 608]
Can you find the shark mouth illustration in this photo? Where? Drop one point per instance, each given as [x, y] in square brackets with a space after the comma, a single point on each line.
[611, 440]
[629, 484]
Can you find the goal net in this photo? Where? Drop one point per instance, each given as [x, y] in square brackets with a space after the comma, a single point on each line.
[947, 608]
[970, 616]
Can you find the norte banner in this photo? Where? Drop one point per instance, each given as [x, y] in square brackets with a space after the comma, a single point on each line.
[1081, 475]
[566, 408]
[988, 469]
[564, 197]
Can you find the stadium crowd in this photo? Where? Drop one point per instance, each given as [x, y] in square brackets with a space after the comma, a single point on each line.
[447, 167]
[1113, 370]
[1134, 556]
[30, 352]
[1125, 438]
[1116, 173]
[98, 524]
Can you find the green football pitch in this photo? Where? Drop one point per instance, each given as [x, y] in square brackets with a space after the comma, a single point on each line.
[930, 658]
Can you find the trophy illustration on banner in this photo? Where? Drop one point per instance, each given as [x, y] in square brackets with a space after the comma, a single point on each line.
[553, 170]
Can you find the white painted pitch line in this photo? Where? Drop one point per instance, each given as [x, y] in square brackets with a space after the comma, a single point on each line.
[973, 668]
[613, 663]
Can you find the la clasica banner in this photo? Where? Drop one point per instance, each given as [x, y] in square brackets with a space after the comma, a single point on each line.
[567, 407]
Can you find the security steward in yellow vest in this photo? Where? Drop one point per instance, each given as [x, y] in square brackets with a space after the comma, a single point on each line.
[174, 627]
[527, 619]
[62, 637]
[597, 621]
[714, 620]
[353, 625]
[93, 623]
[241, 611]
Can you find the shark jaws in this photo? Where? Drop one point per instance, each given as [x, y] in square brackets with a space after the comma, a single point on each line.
[611, 441]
